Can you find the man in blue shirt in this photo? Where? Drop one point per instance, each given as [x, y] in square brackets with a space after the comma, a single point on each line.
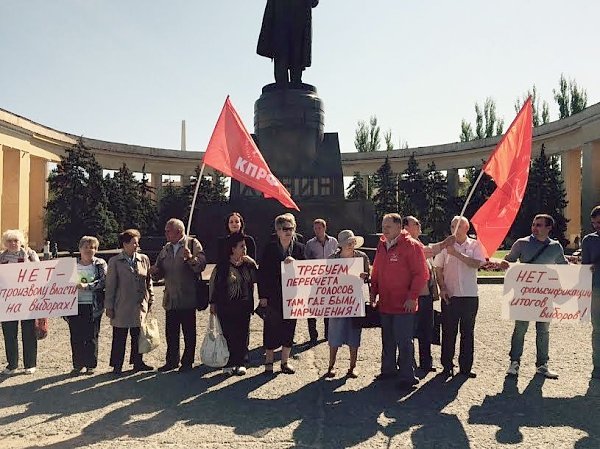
[540, 249]
[590, 254]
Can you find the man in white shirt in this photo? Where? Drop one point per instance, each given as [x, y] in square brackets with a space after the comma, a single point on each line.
[456, 268]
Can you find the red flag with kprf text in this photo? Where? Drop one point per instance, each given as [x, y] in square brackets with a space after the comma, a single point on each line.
[508, 166]
[232, 151]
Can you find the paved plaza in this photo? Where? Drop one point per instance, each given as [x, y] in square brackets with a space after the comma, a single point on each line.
[206, 409]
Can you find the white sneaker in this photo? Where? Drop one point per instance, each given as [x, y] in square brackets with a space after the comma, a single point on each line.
[513, 369]
[241, 371]
[9, 372]
[546, 372]
[30, 370]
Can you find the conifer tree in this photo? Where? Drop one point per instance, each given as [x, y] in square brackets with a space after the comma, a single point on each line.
[78, 204]
[436, 218]
[411, 188]
[385, 198]
[356, 189]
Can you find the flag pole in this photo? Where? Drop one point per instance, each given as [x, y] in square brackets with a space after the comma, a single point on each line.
[189, 223]
[462, 212]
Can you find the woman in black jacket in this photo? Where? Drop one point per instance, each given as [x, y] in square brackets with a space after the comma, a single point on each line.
[278, 332]
[232, 299]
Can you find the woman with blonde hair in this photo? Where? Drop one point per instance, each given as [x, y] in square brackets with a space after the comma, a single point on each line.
[85, 326]
[15, 251]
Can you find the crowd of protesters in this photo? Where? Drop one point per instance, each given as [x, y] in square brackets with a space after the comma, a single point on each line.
[405, 280]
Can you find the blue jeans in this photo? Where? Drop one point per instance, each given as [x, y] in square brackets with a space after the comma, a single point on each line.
[397, 333]
[542, 341]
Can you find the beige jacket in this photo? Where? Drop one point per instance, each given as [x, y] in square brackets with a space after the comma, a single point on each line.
[180, 275]
[128, 292]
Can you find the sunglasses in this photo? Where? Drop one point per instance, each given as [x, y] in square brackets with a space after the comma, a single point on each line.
[286, 229]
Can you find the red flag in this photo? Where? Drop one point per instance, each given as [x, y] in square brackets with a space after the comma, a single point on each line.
[232, 151]
[508, 166]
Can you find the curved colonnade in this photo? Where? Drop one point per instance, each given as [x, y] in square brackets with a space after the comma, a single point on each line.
[27, 148]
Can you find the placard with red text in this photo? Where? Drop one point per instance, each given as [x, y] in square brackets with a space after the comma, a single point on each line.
[323, 288]
[559, 293]
[38, 289]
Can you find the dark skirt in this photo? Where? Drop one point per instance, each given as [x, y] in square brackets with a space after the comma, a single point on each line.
[277, 332]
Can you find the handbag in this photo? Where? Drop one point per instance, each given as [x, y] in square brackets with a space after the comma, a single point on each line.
[434, 288]
[41, 328]
[370, 320]
[149, 338]
[214, 351]
[436, 336]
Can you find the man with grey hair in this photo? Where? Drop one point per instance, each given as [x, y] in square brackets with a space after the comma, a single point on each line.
[180, 263]
[398, 276]
[456, 268]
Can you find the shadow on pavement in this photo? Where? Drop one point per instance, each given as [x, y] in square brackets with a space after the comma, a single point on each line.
[151, 403]
[511, 410]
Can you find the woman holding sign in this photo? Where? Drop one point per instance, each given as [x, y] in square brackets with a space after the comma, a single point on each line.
[85, 326]
[129, 296]
[13, 242]
[278, 332]
[341, 330]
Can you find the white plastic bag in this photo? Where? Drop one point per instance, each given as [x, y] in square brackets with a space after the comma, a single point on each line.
[214, 351]
[149, 338]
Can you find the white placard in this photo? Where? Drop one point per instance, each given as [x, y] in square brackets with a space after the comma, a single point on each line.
[38, 289]
[535, 292]
[323, 288]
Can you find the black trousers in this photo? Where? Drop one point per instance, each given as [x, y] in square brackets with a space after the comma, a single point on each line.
[460, 314]
[235, 325]
[11, 346]
[312, 328]
[84, 329]
[117, 351]
[177, 321]
[424, 330]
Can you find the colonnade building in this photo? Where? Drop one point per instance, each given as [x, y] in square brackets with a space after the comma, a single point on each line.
[28, 150]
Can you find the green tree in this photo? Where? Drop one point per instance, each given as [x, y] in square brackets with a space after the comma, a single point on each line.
[541, 113]
[129, 201]
[411, 185]
[570, 98]
[487, 124]
[356, 189]
[367, 137]
[387, 137]
[78, 204]
[174, 202]
[436, 217]
[385, 198]
[545, 194]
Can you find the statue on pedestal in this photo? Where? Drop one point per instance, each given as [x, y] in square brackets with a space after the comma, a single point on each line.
[286, 37]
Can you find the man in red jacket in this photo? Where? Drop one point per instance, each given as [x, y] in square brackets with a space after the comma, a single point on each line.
[398, 276]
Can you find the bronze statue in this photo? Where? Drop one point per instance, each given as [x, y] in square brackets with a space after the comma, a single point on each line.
[286, 37]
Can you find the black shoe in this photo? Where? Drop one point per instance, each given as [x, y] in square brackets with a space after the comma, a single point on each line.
[469, 374]
[167, 367]
[448, 372]
[117, 370]
[142, 367]
[385, 376]
[185, 368]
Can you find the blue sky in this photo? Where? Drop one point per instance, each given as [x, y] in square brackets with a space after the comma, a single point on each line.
[130, 71]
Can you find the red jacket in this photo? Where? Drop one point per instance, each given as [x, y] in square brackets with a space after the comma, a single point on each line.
[399, 273]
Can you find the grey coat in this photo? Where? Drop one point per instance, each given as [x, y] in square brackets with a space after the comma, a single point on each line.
[180, 275]
[128, 292]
